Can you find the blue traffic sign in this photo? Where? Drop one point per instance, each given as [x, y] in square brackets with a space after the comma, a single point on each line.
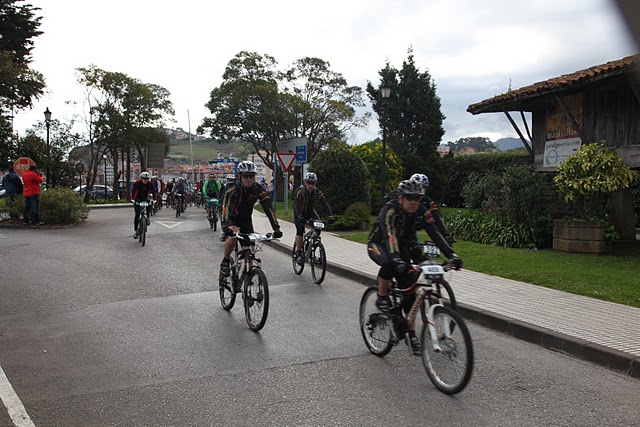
[301, 154]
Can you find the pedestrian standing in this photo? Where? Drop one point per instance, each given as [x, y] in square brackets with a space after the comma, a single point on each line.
[32, 180]
[13, 186]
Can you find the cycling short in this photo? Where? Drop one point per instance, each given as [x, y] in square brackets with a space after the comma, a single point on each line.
[300, 222]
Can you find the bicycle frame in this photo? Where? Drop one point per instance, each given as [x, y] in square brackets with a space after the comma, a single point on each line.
[430, 271]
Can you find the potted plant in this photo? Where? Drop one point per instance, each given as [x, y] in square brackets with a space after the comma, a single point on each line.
[587, 179]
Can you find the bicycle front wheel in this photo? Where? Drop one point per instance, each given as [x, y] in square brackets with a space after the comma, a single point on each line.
[296, 267]
[100, 198]
[376, 327]
[318, 262]
[143, 231]
[449, 367]
[256, 299]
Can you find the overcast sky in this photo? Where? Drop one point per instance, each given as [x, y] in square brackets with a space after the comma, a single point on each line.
[472, 49]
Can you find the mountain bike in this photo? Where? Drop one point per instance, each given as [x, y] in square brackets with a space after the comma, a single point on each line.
[143, 223]
[447, 349]
[180, 204]
[247, 278]
[313, 251]
[212, 205]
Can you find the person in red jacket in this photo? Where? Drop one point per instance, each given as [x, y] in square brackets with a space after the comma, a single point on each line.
[31, 180]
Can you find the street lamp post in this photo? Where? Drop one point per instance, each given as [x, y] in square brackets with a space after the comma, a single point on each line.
[385, 92]
[47, 120]
[104, 156]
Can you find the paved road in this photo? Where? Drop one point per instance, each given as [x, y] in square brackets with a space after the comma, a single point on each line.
[95, 330]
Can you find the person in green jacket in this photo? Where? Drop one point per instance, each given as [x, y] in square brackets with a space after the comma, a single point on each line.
[210, 190]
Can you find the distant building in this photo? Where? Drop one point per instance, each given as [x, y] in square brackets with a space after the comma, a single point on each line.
[443, 150]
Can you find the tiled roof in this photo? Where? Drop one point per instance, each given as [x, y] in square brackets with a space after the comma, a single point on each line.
[556, 84]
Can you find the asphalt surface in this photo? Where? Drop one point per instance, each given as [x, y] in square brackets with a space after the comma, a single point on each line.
[96, 330]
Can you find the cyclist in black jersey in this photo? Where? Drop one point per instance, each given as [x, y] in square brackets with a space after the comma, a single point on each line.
[231, 181]
[393, 246]
[238, 207]
[304, 199]
[429, 205]
[142, 191]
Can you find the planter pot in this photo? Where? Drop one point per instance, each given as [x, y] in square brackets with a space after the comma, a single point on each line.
[579, 236]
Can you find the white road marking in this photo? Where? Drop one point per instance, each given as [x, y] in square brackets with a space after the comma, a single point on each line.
[168, 224]
[13, 404]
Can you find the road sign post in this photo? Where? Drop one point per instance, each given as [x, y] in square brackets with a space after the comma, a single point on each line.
[286, 161]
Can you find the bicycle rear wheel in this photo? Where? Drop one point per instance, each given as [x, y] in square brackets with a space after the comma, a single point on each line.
[143, 231]
[100, 198]
[318, 262]
[376, 327]
[256, 299]
[296, 267]
[442, 294]
[450, 367]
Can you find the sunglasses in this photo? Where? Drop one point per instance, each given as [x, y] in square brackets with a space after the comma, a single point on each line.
[249, 176]
[413, 197]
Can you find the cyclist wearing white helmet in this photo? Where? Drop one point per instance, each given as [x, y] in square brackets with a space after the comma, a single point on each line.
[393, 246]
[304, 199]
[238, 207]
[141, 191]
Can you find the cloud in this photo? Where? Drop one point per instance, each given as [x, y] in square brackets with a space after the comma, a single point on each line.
[473, 50]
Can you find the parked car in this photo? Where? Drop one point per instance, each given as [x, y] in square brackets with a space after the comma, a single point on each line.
[97, 190]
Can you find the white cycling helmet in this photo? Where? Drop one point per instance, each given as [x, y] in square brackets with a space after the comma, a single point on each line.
[246, 167]
[311, 177]
[144, 175]
[420, 178]
[408, 187]
[231, 177]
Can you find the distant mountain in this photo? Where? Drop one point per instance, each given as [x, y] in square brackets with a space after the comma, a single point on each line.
[505, 144]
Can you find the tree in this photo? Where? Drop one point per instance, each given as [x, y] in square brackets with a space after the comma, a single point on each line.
[480, 144]
[261, 105]
[121, 113]
[371, 154]
[344, 177]
[19, 84]
[413, 112]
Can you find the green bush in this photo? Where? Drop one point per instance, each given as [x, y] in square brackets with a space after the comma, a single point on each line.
[57, 206]
[513, 194]
[355, 217]
[344, 177]
[459, 167]
[475, 226]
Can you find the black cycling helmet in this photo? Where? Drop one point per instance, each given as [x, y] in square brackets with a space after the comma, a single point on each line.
[408, 187]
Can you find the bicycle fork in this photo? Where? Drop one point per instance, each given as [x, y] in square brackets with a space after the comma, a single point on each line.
[433, 333]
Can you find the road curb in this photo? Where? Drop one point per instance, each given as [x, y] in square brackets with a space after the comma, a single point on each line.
[552, 340]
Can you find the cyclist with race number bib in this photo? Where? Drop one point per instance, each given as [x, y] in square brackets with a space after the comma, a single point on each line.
[142, 191]
[393, 246]
[304, 199]
[238, 207]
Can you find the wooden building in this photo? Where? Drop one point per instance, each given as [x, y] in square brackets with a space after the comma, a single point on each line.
[600, 103]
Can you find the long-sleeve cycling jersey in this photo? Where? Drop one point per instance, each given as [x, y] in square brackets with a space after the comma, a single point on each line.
[142, 191]
[430, 206]
[397, 230]
[237, 206]
[304, 202]
[211, 189]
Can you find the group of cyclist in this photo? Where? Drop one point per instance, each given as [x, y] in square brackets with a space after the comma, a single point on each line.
[392, 243]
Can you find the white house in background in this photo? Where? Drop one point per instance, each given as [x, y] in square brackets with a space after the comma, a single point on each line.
[443, 150]
[262, 170]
